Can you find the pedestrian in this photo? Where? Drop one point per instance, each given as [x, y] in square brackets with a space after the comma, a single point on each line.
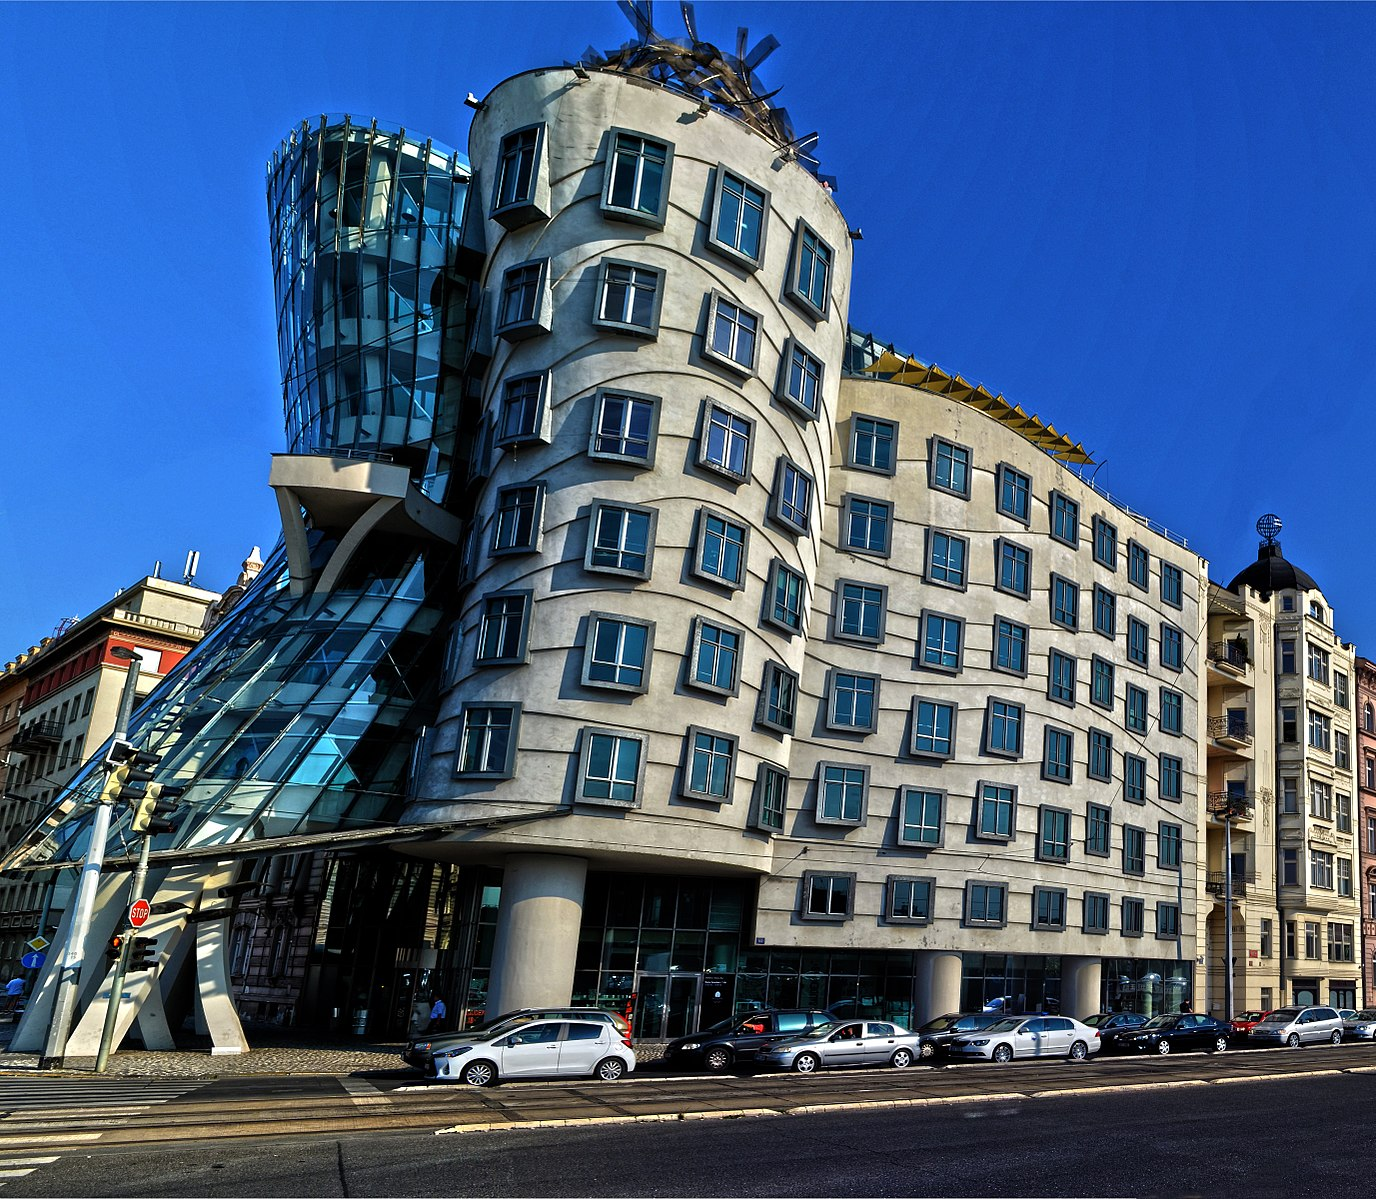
[1185, 1005]
[14, 992]
[437, 1013]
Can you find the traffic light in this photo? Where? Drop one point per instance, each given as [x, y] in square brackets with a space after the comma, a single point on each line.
[113, 948]
[152, 808]
[143, 953]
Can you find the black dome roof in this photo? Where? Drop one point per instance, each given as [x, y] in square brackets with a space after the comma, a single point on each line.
[1271, 572]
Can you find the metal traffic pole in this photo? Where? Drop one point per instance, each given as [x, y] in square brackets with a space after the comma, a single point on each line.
[107, 1031]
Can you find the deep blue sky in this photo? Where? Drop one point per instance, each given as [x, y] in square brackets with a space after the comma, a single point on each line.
[1152, 225]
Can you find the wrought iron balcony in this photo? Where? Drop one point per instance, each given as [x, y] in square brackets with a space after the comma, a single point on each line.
[1239, 804]
[1234, 730]
[37, 734]
[1217, 884]
[1230, 654]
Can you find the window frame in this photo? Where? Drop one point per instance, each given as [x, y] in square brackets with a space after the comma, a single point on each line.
[967, 907]
[734, 253]
[1058, 663]
[819, 815]
[776, 499]
[1177, 575]
[834, 674]
[777, 567]
[522, 652]
[1134, 764]
[1051, 925]
[722, 358]
[690, 737]
[586, 737]
[710, 406]
[1138, 656]
[1099, 741]
[929, 615]
[839, 603]
[929, 569]
[1136, 925]
[1000, 545]
[1057, 504]
[1139, 565]
[1025, 490]
[934, 754]
[1096, 816]
[977, 824]
[1136, 717]
[1098, 525]
[784, 394]
[1171, 701]
[853, 441]
[1102, 901]
[773, 670]
[508, 767]
[891, 884]
[1100, 668]
[806, 887]
[988, 748]
[934, 446]
[759, 815]
[696, 634]
[590, 643]
[541, 318]
[1176, 660]
[901, 823]
[1051, 770]
[1002, 625]
[697, 565]
[1165, 842]
[615, 325]
[654, 218]
[1042, 854]
[537, 521]
[540, 427]
[1057, 586]
[1134, 853]
[600, 399]
[533, 204]
[1104, 612]
[793, 288]
[848, 511]
[595, 511]
[1170, 766]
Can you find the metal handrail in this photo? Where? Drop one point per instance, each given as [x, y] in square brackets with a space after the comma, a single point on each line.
[1217, 883]
[1230, 653]
[1230, 727]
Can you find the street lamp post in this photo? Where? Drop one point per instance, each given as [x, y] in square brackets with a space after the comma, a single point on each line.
[69, 977]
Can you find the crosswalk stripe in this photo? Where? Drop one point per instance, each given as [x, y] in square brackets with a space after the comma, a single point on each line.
[48, 1140]
[27, 1161]
[16, 1173]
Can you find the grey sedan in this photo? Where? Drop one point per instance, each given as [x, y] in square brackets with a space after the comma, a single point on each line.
[852, 1043]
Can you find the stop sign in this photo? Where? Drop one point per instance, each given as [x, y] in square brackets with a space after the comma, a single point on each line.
[139, 911]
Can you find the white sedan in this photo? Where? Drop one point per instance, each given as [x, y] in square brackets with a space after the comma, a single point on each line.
[1028, 1036]
[846, 1043]
[535, 1049]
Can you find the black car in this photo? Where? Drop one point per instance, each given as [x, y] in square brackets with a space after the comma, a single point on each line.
[937, 1034]
[738, 1038]
[1179, 1030]
[1113, 1027]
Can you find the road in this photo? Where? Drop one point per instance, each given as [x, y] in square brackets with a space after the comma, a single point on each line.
[1247, 1124]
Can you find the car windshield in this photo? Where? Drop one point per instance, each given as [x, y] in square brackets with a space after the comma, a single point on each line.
[1367, 1013]
[1161, 1022]
[1252, 1016]
[1098, 1019]
[1284, 1016]
[1004, 1025]
[940, 1024]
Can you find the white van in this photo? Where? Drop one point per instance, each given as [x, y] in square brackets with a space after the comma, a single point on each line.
[1296, 1026]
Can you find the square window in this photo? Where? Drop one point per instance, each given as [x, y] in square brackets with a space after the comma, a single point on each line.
[1012, 568]
[785, 598]
[1137, 641]
[1014, 491]
[790, 503]
[1105, 612]
[800, 379]
[516, 521]
[946, 558]
[921, 817]
[1065, 602]
[720, 548]
[611, 765]
[637, 183]
[852, 701]
[1096, 912]
[1134, 778]
[628, 298]
[873, 444]
[621, 539]
[942, 636]
[1048, 909]
[739, 212]
[934, 729]
[714, 657]
[1098, 830]
[1053, 834]
[949, 468]
[1172, 585]
[996, 808]
[1136, 708]
[1134, 850]
[1172, 647]
[1060, 678]
[867, 526]
[1058, 755]
[710, 769]
[724, 445]
[624, 428]
[1010, 647]
[525, 308]
[1105, 543]
[487, 741]
[1065, 519]
[860, 610]
[524, 417]
[1100, 756]
[1133, 911]
[986, 905]
[1172, 770]
[778, 705]
[809, 281]
[1101, 682]
[908, 900]
[1139, 566]
[771, 799]
[827, 896]
[732, 335]
[1169, 843]
[1172, 712]
[521, 194]
[504, 630]
[1003, 724]
[617, 652]
[842, 793]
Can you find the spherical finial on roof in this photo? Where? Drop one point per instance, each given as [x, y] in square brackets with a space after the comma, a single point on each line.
[1269, 527]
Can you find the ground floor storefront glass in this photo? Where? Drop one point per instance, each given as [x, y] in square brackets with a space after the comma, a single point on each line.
[1147, 985]
[1010, 982]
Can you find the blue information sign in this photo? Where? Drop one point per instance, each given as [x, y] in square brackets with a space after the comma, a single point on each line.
[32, 961]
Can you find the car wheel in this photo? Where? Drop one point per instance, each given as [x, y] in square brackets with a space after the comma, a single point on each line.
[1163, 1046]
[925, 1051]
[1220, 1044]
[609, 1069]
[806, 1063]
[479, 1074]
[1336, 1038]
[901, 1058]
[1078, 1051]
[1003, 1054]
[1293, 1040]
[717, 1059]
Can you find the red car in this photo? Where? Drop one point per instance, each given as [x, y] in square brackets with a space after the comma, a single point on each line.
[1243, 1022]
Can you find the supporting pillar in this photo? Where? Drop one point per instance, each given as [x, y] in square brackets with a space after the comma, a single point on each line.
[538, 919]
[938, 985]
[1081, 985]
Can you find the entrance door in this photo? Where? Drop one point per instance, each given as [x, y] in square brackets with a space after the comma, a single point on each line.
[666, 1005]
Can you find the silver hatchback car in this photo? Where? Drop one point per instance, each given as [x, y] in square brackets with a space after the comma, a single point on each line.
[1296, 1026]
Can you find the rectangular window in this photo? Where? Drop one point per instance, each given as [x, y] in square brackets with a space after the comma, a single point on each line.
[946, 557]
[1289, 867]
[827, 896]
[1172, 776]
[1058, 751]
[721, 549]
[1344, 877]
[872, 444]
[1289, 725]
[522, 417]
[724, 445]
[778, 708]
[860, 611]
[1169, 840]
[1340, 944]
[715, 656]
[732, 336]
[637, 182]
[1172, 712]
[1133, 912]
[950, 468]
[1320, 731]
[524, 309]
[1053, 835]
[517, 172]
[791, 502]
[920, 817]
[487, 740]
[1312, 946]
[771, 798]
[1098, 830]
[941, 641]
[1342, 750]
[1287, 657]
[986, 904]
[1105, 612]
[624, 428]
[1172, 585]
[1172, 647]
[1060, 678]
[1139, 566]
[1065, 519]
[1289, 796]
[1134, 850]
[622, 540]
[1048, 909]
[1136, 709]
[1340, 689]
[1134, 778]
[1004, 721]
[1321, 870]
[1316, 663]
[1167, 922]
[1096, 912]
[800, 382]
[1267, 936]
[1137, 641]
[810, 279]
[610, 766]
[1105, 543]
[1100, 755]
[995, 811]
[1101, 682]
[867, 526]
[1010, 646]
[784, 599]
[516, 522]
[503, 633]
[1344, 813]
[628, 298]
[711, 766]
[934, 729]
[908, 900]
[1015, 493]
[738, 221]
[841, 793]
[1065, 602]
[1014, 568]
[853, 702]
[618, 652]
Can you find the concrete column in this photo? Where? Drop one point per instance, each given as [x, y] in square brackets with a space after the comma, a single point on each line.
[938, 985]
[1081, 985]
[538, 919]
